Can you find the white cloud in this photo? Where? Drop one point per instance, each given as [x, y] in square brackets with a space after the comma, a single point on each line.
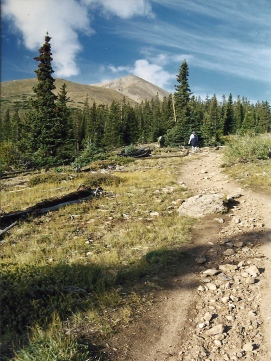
[152, 68]
[61, 19]
[119, 69]
[124, 9]
[152, 72]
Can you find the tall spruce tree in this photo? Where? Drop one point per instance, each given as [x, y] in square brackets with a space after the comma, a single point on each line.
[45, 119]
[229, 124]
[180, 133]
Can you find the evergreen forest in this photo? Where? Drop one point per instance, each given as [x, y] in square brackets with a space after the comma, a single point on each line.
[51, 132]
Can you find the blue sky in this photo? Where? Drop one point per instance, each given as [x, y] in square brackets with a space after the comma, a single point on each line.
[227, 44]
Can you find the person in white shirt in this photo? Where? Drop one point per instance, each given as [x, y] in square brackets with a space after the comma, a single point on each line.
[194, 141]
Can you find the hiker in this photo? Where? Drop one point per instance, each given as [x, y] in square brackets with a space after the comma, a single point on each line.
[161, 141]
[194, 141]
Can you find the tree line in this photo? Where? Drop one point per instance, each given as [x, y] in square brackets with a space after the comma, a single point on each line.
[52, 132]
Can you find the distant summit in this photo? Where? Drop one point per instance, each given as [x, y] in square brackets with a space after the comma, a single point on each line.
[15, 94]
[135, 88]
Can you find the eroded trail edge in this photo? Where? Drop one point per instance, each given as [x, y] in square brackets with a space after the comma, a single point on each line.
[218, 305]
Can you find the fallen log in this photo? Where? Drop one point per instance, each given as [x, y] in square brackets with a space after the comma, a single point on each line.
[83, 193]
[137, 153]
[7, 228]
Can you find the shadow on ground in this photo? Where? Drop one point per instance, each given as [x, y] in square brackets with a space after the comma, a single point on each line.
[33, 295]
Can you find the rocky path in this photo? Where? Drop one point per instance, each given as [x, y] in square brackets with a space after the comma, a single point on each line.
[233, 310]
[218, 306]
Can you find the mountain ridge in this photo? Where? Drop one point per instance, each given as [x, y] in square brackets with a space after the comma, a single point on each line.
[131, 86]
[15, 93]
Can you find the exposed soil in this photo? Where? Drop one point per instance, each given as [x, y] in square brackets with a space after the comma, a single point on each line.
[177, 325]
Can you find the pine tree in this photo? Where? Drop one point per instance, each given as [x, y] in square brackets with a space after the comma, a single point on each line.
[16, 127]
[47, 117]
[229, 123]
[113, 135]
[129, 124]
[6, 131]
[43, 113]
[209, 127]
[78, 125]
[181, 99]
[64, 127]
[249, 122]
[238, 113]
[263, 114]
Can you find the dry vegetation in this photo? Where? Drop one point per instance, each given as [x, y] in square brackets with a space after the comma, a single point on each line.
[95, 263]
[87, 269]
[247, 159]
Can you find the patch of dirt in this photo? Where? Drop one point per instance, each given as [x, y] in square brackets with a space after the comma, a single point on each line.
[224, 313]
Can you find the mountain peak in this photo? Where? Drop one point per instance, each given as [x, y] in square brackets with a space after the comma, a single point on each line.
[135, 88]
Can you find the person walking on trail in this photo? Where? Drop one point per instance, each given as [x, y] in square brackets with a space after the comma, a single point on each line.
[161, 141]
[194, 141]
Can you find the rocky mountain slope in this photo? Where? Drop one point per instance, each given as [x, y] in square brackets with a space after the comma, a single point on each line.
[15, 94]
[135, 88]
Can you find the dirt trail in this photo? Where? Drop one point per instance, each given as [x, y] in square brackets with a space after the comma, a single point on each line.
[171, 329]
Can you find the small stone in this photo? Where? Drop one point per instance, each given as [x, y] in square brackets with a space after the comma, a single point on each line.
[201, 260]
[234, 298]
[218, 343]
[229, 252]
[227, 267]
[250, 280]
[202, 325]
[238, 244]
[253, 271]
[201, 288]
[216, 330]
[154, 214]
[245, 249]
[208, 316]
[229, 244]
[219, 220]
[229, 318]
[225, 299]
[223, 277]
[211, 272]
[219, 337]
[211, 286]
[248, 347]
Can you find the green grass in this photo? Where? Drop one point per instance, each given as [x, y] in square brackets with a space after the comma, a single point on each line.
[91, 266]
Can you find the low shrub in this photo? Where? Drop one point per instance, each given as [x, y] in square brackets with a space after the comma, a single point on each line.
[248, 147]
[99, 179]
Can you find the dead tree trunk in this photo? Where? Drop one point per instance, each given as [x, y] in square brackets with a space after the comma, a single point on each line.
[83, 193]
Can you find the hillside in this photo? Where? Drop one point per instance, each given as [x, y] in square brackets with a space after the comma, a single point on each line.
[135, 88]
[15, 94]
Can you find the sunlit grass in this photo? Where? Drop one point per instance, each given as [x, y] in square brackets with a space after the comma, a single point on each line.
[111, 235]
[255, 175]
[247, 160]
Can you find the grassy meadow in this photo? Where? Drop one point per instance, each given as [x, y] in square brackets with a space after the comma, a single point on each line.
[88, 268]
[72, 277]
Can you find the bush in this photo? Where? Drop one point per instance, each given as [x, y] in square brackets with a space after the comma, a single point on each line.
[247, 147]
[90, 154]
[47, 178]
[98, 179]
